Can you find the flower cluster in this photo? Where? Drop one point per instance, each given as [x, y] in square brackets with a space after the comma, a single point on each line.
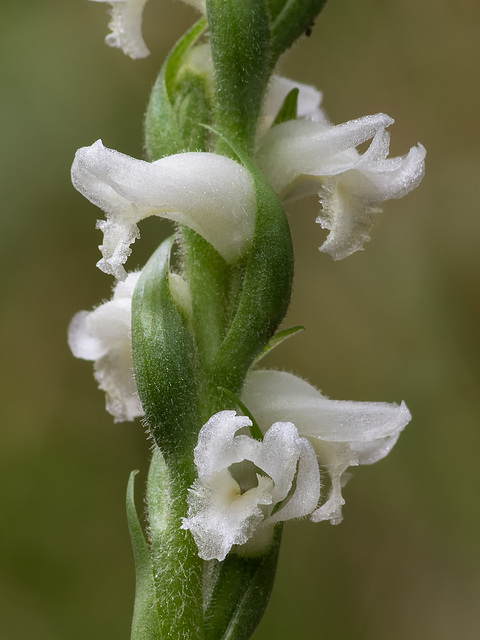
[238, 450]
[214, 195]
[245, 486]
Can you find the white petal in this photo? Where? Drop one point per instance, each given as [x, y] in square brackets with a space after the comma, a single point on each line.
[279, 457]
[104, 336]
[307, 487]
[240, 480]
[217, 447]
[393, 178]
[347, 217]
[331, 509]
[220, 516]
[209, 193]
[126, 27]
[349, 202]
[302, 150]
[114, 375]
[308, 105]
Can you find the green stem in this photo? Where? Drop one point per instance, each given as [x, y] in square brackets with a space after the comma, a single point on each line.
[237, 592]
[239, 36]
[178, 571]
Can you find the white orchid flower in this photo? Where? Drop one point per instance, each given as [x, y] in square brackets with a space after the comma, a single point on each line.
[207, 192]
[104, 336]
[126, 25]
[245, 486]
[309, 155]
[343, 433]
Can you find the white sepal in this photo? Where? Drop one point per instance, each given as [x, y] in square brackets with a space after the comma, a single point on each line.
[207, 192]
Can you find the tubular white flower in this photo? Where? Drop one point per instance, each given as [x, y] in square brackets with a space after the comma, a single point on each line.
[126, 25]
[342, 433]
[241, 481]
[302, 157]
[207, 192]
[104, 336]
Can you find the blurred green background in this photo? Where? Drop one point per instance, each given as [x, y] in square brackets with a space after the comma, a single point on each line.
[398, 321]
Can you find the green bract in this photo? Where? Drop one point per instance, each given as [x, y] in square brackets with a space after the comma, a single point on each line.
[164, 361]
[145, 623]
[180, 102]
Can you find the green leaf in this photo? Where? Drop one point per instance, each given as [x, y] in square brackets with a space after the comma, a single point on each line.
[238, 590]
[164, 359]
[179, 101]
[145, 625]
[291, 19]
[288, 110]
[240, 40]
[277, 339]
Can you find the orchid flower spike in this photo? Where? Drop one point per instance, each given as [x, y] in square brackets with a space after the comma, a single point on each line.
[210, 193]
[104, 336]
[343, 433]
[245, 486]
[126, 25]
[307, 156]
